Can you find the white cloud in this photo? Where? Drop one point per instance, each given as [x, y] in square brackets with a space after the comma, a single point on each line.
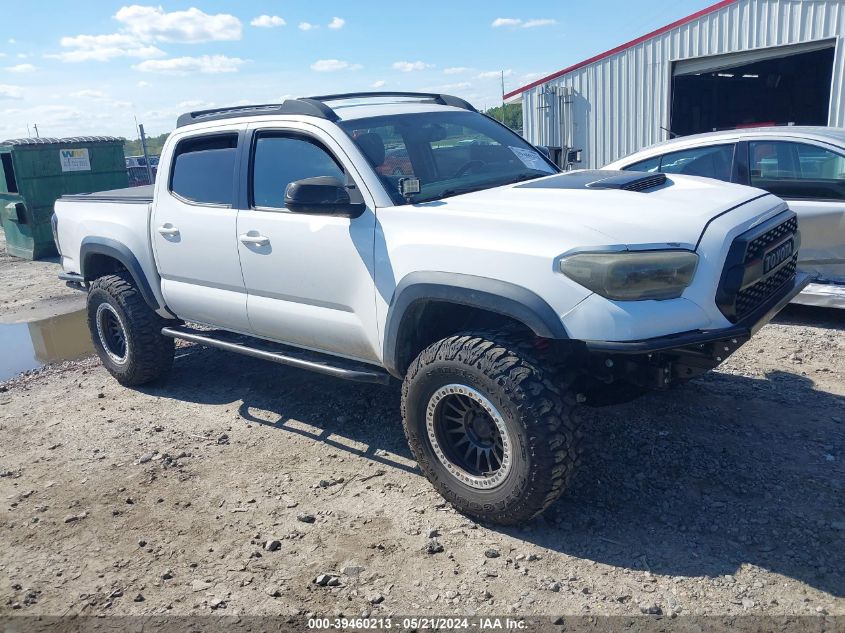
[407, 67]
[462, 85]
[337, 23]
[21, 68]
[333, 65]
[142, 27]
[378, 84]
[307, 26]
[191, 26]
[525, 24]
[12, 40]
[143, 84]
[2, 55]
[456, 70]
[21, 55]
[494, 74]
[529, 24]
[208, 64]
[102, 48]
[10, 92]
[195, 104]
[268, 21]
[89, 94]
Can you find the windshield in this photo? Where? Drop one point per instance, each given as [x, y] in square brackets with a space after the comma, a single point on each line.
[449, 152]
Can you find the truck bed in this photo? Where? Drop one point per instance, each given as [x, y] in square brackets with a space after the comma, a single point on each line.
[137, 195]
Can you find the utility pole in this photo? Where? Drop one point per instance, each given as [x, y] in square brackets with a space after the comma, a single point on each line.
[35, 125]
[503, 96]
[146, 155]
[28, 133]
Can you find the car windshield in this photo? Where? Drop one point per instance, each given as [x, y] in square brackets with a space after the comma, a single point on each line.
[448, 152]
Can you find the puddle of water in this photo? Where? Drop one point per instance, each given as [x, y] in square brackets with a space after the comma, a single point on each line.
[30, 345]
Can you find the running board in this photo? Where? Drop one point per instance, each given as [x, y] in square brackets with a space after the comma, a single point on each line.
[300, 358]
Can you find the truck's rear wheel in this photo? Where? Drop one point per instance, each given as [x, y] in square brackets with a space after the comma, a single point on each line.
[494, 435]
[126, 332]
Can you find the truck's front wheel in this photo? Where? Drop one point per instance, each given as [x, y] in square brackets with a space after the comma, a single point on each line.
[494, 435]
[126, 332]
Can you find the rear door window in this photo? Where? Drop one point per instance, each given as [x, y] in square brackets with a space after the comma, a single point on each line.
[797, 170]
[203, 169]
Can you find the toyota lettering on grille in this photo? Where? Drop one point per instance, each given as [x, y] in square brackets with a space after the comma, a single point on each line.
[777, 256]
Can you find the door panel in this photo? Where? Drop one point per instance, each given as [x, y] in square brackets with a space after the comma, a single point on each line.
[308, 277]
[811, 178]
[194, 232]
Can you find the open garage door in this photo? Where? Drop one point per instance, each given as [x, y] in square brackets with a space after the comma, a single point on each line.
[778, 86]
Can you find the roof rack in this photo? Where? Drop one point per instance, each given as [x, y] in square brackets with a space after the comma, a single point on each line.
[442, 99]
[313, 106]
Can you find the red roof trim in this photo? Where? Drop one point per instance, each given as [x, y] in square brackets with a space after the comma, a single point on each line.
[622, 47]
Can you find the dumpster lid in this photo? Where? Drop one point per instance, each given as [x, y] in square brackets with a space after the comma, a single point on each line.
[63, 141]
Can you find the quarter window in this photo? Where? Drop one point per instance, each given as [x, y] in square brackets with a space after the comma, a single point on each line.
[281, 160]
[797, 170]
[204, 169]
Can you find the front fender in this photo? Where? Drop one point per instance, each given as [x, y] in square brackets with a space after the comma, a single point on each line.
[493, 295]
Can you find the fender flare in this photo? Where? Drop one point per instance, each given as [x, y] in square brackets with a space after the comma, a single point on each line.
[493, 295]
[120, 252]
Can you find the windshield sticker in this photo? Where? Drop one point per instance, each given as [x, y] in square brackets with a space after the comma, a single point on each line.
[531, 159]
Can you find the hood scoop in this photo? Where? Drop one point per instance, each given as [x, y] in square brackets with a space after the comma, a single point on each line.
[600, 179]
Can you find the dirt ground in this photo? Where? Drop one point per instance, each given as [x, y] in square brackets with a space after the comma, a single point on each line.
[31, 290]
[235, 484]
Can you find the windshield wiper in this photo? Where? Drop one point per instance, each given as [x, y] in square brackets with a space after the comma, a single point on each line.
[448, 193]
[524, 177]
[453, 192]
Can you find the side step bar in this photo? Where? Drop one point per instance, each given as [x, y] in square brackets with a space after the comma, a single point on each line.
[213, 338]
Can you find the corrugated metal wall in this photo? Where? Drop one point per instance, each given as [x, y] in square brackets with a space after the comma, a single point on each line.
[622, 103]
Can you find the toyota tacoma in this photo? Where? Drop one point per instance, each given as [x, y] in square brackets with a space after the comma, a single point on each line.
[500, 291]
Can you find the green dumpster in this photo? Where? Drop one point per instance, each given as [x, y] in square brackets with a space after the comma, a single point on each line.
[37, 171]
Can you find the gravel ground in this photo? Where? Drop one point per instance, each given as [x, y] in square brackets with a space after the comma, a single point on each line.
[236, 484]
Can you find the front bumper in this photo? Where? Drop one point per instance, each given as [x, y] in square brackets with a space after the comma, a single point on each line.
[657, 362]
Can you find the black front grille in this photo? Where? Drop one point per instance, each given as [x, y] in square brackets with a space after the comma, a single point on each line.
[758, 246]
[744, 286]
[752, 296]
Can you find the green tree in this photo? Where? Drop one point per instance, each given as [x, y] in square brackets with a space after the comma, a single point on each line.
[512, 115]
[132, 147]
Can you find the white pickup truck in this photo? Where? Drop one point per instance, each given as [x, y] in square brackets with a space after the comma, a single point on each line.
[406, 235]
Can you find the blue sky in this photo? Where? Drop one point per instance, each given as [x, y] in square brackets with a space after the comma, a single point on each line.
[89, 67]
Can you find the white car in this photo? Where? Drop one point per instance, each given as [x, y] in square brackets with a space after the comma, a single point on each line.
[500, 291]
[803, 165]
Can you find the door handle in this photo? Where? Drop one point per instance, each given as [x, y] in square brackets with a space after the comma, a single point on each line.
[168, 229]
[254, 237]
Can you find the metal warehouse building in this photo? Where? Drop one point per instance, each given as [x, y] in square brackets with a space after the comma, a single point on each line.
[737, 63]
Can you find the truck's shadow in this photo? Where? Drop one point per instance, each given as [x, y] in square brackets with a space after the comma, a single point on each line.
[727, 471]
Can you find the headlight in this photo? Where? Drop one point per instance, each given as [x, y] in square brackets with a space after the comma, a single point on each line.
[632, 275]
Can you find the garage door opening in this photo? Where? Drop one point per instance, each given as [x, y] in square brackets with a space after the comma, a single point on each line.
[787, 89]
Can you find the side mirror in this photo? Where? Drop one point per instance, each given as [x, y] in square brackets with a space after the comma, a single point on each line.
[323, 195]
